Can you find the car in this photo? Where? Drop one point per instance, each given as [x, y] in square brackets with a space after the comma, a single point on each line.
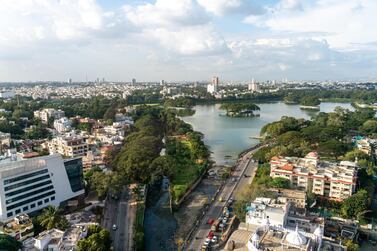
[207, 243]
[210, 235]
[114, 227]
[210, 221]
[214, 239]
[221, 199]
[225, 220]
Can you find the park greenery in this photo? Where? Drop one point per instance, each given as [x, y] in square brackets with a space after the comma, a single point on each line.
[240, 109]
[143, 160]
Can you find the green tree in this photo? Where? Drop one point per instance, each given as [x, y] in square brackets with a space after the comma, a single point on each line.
[98, 239]
[52, 217]
[310, 101]
[369, 127]
[8, 243]
[355, 205]
[280, 182]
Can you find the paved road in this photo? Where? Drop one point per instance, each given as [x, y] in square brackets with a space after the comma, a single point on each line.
[244, 166]
[118, 212]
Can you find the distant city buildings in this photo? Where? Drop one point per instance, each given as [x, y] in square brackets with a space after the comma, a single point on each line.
[30, 184]
[332, 180]
[47, 113]
[133, 81]
[6, 94]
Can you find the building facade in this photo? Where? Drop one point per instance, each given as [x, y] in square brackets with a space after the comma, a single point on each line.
[28, 185]
[70, 145]
[62, 125]
[47, 113]
[332, 180]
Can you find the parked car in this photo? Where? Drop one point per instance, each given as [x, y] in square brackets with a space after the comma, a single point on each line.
[114, 227]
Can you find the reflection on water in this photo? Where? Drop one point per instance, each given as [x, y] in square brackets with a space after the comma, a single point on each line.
[227, 136]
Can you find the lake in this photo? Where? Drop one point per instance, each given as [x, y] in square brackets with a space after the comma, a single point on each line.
[228, 136]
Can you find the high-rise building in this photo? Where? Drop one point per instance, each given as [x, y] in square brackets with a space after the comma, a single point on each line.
[30, 184]
[70, 81]
[134, 81]
[215, 81]
[254, 86]
[213, 86]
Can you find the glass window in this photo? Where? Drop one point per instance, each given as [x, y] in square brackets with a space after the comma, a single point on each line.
[30, 200]
[25, 208]
[25, 189]
[18, 211]
[26, 195]
[10, 214]
[40, 203]
[46, 200]
[75, 174]
[52, 198]
[32, 205]
[21, 184]
[22, 177]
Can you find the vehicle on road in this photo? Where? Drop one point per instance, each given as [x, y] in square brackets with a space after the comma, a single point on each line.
[210, 221]
[215, 225]
[114, 227]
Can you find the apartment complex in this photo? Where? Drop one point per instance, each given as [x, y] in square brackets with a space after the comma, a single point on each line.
[47, 113]
[28, 185]
[62, 125]
[333, 180]
[69, 145]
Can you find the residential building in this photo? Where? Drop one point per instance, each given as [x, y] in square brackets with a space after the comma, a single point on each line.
[62, 125]
[28, 185]
[5, 140]
[69, 145]
[213, 86]
[297, 198]
[265, 211]
[332, 180]
[47, 113]
[20, 227]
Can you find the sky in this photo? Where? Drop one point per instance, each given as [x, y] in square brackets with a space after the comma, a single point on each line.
[188, 40]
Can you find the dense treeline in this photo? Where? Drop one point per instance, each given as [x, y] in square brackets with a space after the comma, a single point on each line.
[239, 109]
[141, 159]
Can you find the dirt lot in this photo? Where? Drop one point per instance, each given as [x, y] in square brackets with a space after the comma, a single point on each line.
[192, 207]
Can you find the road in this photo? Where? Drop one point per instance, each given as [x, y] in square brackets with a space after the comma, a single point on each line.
[121, 213]
[245, 166]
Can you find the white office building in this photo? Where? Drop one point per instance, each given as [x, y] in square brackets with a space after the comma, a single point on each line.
[27, 185]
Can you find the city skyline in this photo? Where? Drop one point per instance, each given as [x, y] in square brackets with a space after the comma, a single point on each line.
[187, 40]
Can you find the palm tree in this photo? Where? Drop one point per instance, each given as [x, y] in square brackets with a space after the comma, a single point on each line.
[8, 243]
[50, 217]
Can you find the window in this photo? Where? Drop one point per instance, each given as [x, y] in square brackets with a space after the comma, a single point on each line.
[25, 208]
[10, 214]
[22, 177]
[46, 200]
[52, 198]
[28, 188]
[75, 174]
[32, 205]
[21, 184]
[18, 211]
[28, 194]
[30, 200]
[40, 203]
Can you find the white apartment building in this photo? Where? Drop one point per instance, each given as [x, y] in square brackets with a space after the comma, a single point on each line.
[28, 185]
[254, 86]
[263, 212]
[69, 145]
[47, 113]
[333, 180]
[62, 125]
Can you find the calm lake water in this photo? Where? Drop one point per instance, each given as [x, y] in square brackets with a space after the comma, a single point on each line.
[227, 137]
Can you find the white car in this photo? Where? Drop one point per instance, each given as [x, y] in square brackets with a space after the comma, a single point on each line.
[115, 227]
[214, 239]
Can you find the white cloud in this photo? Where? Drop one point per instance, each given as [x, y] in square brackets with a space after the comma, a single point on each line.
[171, 13]
[222, 7]
[343, 23]
[180, 26]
